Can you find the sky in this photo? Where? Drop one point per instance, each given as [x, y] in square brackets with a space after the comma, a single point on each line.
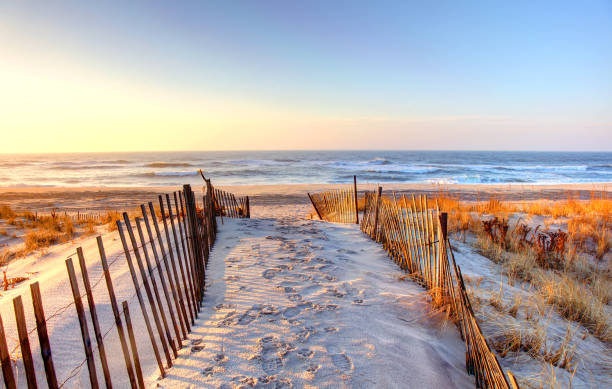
[237, 75]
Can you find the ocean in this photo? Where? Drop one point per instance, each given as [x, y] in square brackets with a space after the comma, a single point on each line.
[303, 167]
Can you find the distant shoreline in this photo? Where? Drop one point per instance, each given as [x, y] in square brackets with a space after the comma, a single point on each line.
[45, 199]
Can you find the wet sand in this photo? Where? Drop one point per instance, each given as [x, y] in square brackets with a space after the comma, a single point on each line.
[45, 199]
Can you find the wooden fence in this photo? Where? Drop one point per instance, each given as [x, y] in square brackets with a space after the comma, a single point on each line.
[338, 205]
[413, 232]
[226, 204]
[168, 274]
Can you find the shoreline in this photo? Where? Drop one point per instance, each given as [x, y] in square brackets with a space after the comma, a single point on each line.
[120, 198]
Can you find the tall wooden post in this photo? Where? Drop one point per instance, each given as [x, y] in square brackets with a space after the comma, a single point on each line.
[444, 224]
[43, 336]
[376, 211]
[5, 359]
[78, 303]
[24, 342]
[94, 318]
[355, 194]
[117, 314]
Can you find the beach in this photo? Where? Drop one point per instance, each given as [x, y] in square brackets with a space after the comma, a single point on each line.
[293, 302]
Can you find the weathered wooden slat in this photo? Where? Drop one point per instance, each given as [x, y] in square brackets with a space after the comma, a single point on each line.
[117, 315]
[133, 345]
[5, 360]
[43, 336]
[24, 343]
[94, 319]
[78, 303]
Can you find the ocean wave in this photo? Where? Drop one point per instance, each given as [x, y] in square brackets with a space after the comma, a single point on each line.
[168, 164]
[121, 161]
[603, 166]
[83, 167]
[380, 161]
[165, 174]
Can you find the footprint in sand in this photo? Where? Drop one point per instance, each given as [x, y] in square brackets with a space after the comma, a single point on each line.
[305, 353]
[342, 362]
[272, 365]
[270, 273]
[287, 289]
[313, 368]
[268, 310]
[304, 334]
[292, 311]
[295, 297]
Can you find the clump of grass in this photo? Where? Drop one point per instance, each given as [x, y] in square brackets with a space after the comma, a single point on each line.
[110, 219]
[494, 206]
[6, 212]
[38, 239]
[576, 303]
[563, 355]
[497, 299]
[513, 310]
[572, 299]
[603, 244]
[90, 227]
[513, 338]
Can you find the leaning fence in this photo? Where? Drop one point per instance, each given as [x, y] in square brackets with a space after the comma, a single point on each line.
[413, 232]
[337, 205]
[226, 204]
[166, 253]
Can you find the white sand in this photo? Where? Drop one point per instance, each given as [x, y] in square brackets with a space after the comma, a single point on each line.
[290, 302]
[309, 304]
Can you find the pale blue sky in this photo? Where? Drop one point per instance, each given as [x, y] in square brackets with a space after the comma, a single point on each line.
[472, 75]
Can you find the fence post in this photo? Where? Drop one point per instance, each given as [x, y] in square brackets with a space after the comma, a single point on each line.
[78, 303]
[43, 336]
[444, 224]
[5, 359]
[356, 202]
[314, 206]
[379, 195]
[117, 314]
[94, 318]
[24, 342]
[130, 329]
[248, 208]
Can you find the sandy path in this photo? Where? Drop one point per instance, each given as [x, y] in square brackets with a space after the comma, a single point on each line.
[297, 303]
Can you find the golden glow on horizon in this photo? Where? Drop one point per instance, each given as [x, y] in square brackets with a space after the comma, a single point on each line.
[61, 105]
